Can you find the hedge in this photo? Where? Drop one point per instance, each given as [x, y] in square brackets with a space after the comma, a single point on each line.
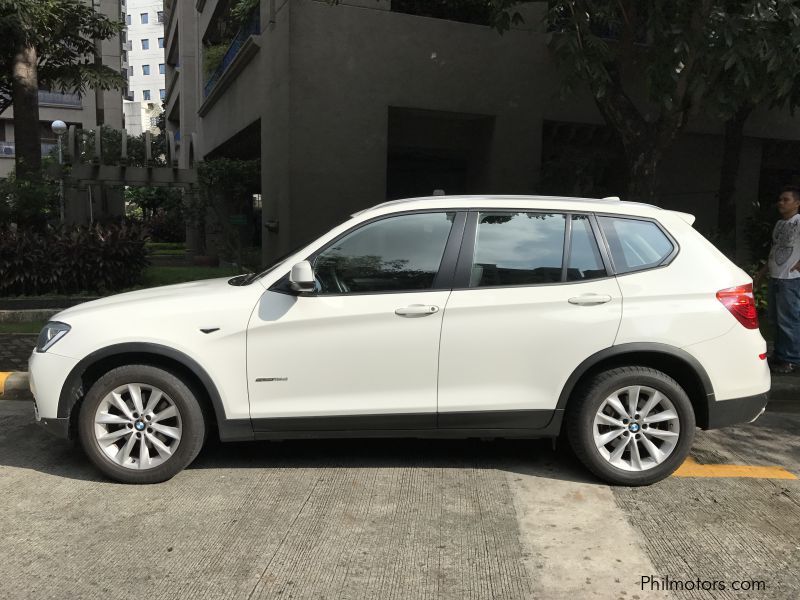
[99, 259]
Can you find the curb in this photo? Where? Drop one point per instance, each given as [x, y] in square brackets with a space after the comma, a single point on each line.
[14, 385]
[28, 315]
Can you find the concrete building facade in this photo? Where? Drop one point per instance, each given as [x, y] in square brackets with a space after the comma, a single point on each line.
[348, 105]
[84, 111]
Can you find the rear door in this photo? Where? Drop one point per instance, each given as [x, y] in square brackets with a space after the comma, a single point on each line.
[533, 298]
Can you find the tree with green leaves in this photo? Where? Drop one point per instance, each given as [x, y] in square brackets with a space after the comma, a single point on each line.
[53, 44]
[650, 64]
[758, 65]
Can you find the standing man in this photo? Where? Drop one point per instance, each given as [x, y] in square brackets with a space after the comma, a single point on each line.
[784, 284]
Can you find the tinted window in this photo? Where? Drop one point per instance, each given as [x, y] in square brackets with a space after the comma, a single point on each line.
[518, 249]
[635, 245]
[584, 255]
[395, 254]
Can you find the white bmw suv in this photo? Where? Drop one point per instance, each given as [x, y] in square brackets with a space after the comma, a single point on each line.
[613, 323]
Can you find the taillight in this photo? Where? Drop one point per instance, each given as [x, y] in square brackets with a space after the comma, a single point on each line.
[740, 302]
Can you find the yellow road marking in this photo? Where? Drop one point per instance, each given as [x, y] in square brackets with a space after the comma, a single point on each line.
[692, 468]
[3, 376]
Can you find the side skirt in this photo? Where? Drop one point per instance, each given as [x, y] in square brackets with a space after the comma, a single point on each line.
[489, 424]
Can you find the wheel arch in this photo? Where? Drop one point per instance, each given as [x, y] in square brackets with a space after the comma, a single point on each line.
[96, 364]
[677, 363]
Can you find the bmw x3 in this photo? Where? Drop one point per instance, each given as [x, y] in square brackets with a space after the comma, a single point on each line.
[614, 324]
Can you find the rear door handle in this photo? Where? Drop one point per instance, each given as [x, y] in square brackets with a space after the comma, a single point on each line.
[590, 299]
[417, 310]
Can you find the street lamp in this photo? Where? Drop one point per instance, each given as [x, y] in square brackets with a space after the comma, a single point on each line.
[60, 128]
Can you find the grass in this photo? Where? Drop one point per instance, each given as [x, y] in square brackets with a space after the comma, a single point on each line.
[26, 327]
[155, 276]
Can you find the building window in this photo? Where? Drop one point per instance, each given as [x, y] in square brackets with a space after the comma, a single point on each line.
[161, 16]
[145, 69]
[153, 121]
[130, 70]
[160, 42]
[162, 94]
[146, 94]
[133, 96]
[143, 17]
[127, 19]
[145, 44]
[162, 69]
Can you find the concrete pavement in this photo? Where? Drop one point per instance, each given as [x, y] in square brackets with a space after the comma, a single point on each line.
[393, 519]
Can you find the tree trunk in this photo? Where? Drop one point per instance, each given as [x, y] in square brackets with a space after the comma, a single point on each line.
[25, 96]
[643, 158]
[731, 156]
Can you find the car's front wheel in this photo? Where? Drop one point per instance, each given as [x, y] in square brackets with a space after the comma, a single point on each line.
[140, 424]
[631, 425]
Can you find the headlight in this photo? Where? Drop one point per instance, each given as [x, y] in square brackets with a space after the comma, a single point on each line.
[51, 333]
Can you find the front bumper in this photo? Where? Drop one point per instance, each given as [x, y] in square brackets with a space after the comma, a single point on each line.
[722, 413]
[47, 373]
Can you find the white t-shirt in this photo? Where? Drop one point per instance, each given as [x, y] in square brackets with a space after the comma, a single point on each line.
[785, 252]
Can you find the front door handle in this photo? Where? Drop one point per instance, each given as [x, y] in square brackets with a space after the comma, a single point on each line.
[417, 310]
[590, 299]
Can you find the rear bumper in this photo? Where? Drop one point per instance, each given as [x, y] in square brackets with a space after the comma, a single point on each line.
[56, 427]
[722, 413]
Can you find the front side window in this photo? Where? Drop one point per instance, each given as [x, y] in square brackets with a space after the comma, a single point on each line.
[635, 245]
[396, 254]
[523, 248]
[584, 255]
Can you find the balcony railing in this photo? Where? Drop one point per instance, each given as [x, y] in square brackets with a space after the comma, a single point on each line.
[251, 27]
[8, 149]
[59, 99]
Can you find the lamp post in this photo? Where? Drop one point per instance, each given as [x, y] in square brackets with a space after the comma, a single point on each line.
[60, 128]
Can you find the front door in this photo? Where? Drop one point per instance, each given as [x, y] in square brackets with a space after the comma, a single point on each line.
[361, 351]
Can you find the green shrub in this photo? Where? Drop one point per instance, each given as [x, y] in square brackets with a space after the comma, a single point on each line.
[98, 259]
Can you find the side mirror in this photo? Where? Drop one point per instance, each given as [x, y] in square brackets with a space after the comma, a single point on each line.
[302, 277]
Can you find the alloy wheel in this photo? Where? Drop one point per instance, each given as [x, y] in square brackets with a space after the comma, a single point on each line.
[138, 426]
[636, 428]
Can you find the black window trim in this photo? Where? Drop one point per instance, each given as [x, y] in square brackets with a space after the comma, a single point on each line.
[443, 281]
[665, 262]
[464, 267]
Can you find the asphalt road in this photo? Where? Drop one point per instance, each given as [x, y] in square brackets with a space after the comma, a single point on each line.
[401, 519]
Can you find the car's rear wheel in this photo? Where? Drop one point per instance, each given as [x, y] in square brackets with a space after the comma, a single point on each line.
[140, 424]
[631, 425]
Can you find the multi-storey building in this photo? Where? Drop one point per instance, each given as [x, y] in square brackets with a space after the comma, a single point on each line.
[145, 64]
[84, 111]
[348, 105]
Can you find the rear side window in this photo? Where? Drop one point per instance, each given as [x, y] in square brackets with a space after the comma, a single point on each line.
[635, 245]
[518, 249]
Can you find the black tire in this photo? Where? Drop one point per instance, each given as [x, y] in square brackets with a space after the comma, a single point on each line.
[190, 414]
[586, 402]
